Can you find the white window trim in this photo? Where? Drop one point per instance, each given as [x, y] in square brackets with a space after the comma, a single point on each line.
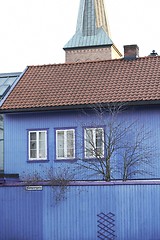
[94, 141]
[37, 141]
[65, 144]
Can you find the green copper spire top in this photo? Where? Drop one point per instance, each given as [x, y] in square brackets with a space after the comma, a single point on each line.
[92, 27]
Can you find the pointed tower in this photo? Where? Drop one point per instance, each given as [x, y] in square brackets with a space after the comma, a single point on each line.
[92, 40]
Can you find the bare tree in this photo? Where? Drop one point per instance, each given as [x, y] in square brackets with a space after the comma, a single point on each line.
[137, 156]
[59, 179]
[119, 148]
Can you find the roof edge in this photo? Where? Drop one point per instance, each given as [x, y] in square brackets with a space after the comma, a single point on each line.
[10, 74]
[88, 47]
[83, 106]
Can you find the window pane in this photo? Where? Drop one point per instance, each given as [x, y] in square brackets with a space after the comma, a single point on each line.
[69, 135]
[99, 138]
[42, 149]
[70, 153]
[89, 150]
[33, 154]
[42, 153]
[89, 136]
[10, 80]
[70, 144]
[60, 144]
[42, 145]
[33, 145]
[2, 80]
[60, 153]
[60, 135]
[89, 143]
[33, 136]
[42, 136]
[99, 141]
[4, 89]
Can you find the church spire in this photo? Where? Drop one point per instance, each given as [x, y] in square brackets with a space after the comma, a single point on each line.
[92, 38]
[101, 17]
[91, 17]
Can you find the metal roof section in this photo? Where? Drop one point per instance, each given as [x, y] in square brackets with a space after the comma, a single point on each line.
[6, 81]
[92, 26]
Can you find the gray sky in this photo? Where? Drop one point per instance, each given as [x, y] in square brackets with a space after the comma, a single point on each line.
[34, 32]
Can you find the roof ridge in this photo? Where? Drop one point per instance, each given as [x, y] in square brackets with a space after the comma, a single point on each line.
[72, 63]
[90, 61]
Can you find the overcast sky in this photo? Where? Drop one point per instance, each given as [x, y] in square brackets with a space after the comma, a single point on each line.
[34, 32]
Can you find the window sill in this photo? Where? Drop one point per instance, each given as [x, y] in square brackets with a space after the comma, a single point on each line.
[37, 161]
[92, 159]
[66, 160]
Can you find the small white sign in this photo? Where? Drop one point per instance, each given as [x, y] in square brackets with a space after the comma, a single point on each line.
[34, 188]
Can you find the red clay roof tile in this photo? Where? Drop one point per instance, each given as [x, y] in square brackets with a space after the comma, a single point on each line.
[87, 83]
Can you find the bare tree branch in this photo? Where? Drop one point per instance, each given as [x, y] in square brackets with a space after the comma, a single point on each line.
[123, 143]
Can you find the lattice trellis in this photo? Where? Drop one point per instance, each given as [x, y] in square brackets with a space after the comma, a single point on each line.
[106, 226]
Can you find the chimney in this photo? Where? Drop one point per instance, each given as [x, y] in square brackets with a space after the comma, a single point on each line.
[131, 52]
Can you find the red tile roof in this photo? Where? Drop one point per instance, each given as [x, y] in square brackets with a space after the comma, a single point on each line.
[62, 85]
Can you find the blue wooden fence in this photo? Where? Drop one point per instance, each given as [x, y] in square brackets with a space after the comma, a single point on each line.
[85, 211]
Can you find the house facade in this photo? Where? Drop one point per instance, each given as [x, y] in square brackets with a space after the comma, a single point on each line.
[59, 116]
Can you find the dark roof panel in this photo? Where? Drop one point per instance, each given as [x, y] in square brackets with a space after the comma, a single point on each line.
[6, 81]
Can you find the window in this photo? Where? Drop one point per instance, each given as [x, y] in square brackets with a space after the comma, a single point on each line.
[94, 142]
[37, 145]
[65, 144]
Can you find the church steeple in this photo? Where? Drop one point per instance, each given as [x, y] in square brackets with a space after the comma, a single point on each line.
[92, 38]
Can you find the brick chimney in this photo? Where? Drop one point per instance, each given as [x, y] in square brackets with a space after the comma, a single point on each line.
[131, 52]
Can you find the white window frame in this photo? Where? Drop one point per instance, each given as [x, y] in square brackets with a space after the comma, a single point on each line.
[94, 142]
[65, 144]
[37, 145]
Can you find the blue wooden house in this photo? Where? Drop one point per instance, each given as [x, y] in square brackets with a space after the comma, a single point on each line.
[62, 119]
[50, 114]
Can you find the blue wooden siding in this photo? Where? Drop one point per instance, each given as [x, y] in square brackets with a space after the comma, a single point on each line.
[17, 126]
[31, 215]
